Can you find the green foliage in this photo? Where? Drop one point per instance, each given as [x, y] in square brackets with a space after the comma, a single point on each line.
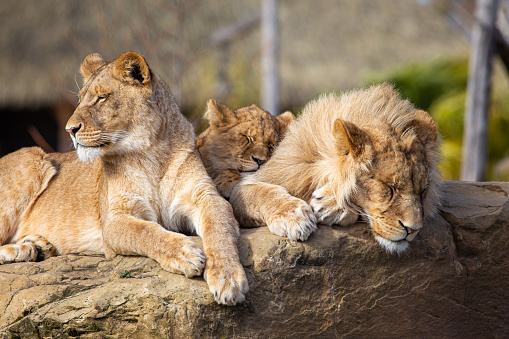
[439, 86]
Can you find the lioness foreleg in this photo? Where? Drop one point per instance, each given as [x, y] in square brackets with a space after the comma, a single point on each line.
[30, 248]
[175, 252]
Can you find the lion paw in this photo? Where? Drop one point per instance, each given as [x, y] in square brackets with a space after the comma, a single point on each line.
[226, 279]
[185, 257]
[295, 220]
[327, 211]
[44, 248]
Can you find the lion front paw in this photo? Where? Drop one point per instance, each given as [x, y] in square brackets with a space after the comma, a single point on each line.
[294, 219]
[327, 211]
[226, 279]
[183, 257]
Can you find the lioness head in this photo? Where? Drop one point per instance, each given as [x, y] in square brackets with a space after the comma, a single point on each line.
[396, 184]
[117, 111]
[241, 140]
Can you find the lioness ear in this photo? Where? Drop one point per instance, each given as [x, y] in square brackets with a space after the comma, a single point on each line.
[425, 128]
[90, 65]
[349, 138]
[133, 68]
[219, 115]
[285, 119]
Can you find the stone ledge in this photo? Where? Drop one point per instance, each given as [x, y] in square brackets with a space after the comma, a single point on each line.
[454, 283]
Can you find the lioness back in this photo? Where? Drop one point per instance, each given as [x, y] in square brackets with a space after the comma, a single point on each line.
[238, 142]
[365, 152]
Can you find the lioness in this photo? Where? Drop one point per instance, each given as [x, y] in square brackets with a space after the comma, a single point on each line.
[366, 152]
[134, 182]
[238, 142]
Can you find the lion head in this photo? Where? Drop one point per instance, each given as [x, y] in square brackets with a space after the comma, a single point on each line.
[240, 140]
[118, 110]
[365, 152]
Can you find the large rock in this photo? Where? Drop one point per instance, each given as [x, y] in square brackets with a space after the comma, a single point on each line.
[453, 283]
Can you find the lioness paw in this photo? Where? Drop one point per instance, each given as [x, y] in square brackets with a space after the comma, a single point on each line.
[226, 279]
[294, 219]
[185, 258]
[327, 211]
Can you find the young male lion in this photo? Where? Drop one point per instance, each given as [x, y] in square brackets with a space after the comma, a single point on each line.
[238, 142]
[134, 182]
[366, 152]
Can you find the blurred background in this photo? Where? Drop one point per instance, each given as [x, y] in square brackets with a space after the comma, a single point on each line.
[214, 49]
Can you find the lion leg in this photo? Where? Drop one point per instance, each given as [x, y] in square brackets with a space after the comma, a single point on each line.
[328, 211]
[257, 203]
[24, 175]
[216, 225]
[175, 252]
[30, 248]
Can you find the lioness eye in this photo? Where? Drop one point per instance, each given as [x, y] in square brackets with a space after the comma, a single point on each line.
[100, 98]
[249, 139]
[392, 192]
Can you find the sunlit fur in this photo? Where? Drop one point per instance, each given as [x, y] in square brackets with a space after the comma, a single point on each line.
[134, 183]
[238, 142]
[365, 152]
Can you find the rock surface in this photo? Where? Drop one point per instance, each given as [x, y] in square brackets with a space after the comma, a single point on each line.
[453, 283]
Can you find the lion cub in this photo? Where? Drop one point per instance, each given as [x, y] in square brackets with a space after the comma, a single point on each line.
[135, 180]
[365, 152]
[238, 142]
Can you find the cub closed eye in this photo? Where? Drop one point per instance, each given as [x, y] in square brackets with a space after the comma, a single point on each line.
[249, 139]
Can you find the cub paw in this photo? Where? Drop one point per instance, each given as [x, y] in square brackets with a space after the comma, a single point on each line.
[226, 279]
[327, 211]
[183, 257]
[294, 219]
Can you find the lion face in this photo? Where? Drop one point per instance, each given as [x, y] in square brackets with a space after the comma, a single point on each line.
[393, 185]
[241, 140]
[114, 97]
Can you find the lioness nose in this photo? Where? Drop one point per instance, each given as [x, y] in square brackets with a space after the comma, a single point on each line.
[73, 130]
[259, 161]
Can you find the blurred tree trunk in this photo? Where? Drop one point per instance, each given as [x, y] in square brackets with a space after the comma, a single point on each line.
[269, 59]
[475, 145]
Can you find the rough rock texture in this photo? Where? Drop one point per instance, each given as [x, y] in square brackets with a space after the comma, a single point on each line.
[453, 283]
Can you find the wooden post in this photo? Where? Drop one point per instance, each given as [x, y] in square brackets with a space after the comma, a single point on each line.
[475, 144]
[269, 59]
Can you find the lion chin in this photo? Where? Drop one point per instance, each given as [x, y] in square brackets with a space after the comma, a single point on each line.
[393, 247]
[88, 154]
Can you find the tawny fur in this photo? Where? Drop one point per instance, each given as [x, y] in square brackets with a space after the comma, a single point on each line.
[365, 152]
[238, 142]
[135, 181]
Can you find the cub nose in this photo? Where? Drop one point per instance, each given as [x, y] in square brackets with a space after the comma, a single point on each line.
[73, 130]
[410, 230]
[259, 161]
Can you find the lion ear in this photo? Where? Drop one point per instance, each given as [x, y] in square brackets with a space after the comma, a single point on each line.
[349, 138]
[133, 68]
[285, 119]
[425, 128]
[219, 115]
[90, 65]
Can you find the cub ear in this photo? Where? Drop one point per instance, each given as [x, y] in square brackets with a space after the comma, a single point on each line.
[349, 138]
[285, 119]
[133, 68]
[90, 65]
[425, 128]
[219, 115]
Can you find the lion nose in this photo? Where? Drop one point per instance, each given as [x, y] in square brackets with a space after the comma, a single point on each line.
[411, 231]
[259, 161]
[73, 130]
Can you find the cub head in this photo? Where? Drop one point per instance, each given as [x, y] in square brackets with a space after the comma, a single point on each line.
[241, 140]
[396, 184]
[116, 113]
